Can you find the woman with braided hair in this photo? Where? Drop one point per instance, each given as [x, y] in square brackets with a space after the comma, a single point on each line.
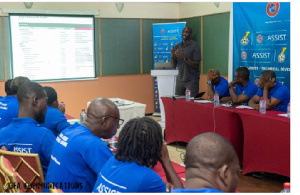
[140, 147]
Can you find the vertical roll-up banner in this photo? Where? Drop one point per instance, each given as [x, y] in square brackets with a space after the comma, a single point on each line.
[165, 37]
[261, 39]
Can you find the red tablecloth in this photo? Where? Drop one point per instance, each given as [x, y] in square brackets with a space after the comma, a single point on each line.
[68, 117]
[180, 170]
[185, 120]
[266, 142]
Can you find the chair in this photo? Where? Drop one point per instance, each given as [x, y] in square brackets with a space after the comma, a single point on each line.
[13, 183]
[28, 167]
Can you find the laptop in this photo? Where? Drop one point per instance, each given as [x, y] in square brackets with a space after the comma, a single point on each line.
[163, 65]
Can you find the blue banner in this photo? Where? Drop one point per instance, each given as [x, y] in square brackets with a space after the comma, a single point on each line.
[165, 37]
[261, 39]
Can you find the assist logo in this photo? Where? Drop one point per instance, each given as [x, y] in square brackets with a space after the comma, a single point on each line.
[281, 56]
[245, 39]
[244, 55]
[259, 38]
[256, 82]
[272, 9]
[162, 31]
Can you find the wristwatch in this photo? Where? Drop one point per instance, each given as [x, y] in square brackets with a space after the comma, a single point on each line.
[185, 59]
[209, 82]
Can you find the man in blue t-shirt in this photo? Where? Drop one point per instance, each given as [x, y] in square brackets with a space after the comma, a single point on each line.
[55, 120]
[241, 89]
[211, 165]
[277, 95]
[9, 105]
[216, 83]
[22, 134]
[78, 153]
[140, 147]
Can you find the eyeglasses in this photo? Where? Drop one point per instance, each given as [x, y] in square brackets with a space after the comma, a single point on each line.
[120, 121]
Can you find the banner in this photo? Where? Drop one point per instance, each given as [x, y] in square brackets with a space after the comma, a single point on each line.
[165, 37]
[261, 39]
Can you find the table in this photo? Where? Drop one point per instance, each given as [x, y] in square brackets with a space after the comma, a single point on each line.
[185, 120]
[128, 110]
[262, 142]
[266, 142]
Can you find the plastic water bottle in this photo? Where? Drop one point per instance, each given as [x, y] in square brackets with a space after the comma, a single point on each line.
[187, 94]
[262, 105]
[289, 110]
[216, 99]
[286, 188]
[82, 116]
[112, 142]
[64, 105]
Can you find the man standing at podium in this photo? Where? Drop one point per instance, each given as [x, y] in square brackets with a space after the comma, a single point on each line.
[187, 55]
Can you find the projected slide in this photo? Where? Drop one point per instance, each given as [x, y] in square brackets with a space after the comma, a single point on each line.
[52, 47]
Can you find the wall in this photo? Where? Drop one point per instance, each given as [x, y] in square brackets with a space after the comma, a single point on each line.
[76, 94]
[139, 87]
[108, 9]
[193, 9]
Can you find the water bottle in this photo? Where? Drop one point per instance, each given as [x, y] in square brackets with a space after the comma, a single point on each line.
[289, 110]
[112, 142]
[286, 188]
[187, 94]
[82, 116]
[216, 99]
[262, 105]
[63, 105]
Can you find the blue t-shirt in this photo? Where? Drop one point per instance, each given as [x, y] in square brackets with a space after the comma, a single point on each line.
[203, 190]
[23, 135]
[279, 92]
[55, 120]
[249, 90]
[77, 157]
[117, 176]
[9, 108]
[222, 88]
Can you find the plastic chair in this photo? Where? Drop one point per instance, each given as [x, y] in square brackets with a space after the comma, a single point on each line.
[28, 167]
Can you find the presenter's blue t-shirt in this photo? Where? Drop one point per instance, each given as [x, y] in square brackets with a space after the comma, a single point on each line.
[77, 157]
[117, 176]
[24, 136]
[249, 90]
[9, 109]
[203, 190]
[222, 88]
[280, 92]
[55, 120]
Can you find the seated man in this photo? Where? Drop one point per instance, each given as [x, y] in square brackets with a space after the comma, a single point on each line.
[140, 147]
[216, 83]
[54, 120]
[9, 105]
[22, 134]
[244, 88]
[79, 154]
[7, 87]
[277, 96]
[211, 165]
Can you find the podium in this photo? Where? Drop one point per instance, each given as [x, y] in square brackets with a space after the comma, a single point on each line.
[166, 81]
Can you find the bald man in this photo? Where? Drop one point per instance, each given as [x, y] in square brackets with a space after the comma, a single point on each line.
[216, 83]
[211, 165]
[186, 55]
[79, 154]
